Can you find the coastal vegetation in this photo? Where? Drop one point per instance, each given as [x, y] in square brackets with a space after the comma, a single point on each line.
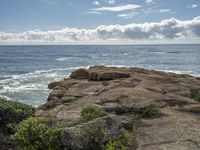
[149, 112]
[195, 94]
[13, 112]
[122, 143]
[37, 133]
[90, 112]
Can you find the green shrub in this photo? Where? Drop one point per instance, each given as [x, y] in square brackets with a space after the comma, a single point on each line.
[195, 94]
[123, 143]
[150, 112]
[90, 113]
[12, 112]
[95, 137]
[37, 133]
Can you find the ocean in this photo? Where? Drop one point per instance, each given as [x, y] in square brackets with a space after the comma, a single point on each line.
[25, 71]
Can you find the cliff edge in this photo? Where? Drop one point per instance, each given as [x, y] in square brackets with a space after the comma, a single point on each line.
[161, 109]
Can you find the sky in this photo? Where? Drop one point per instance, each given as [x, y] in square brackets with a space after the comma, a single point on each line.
[99, 21]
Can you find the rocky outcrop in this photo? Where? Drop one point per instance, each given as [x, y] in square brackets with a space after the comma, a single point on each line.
[80, 74]
[131, 93]
[112, 127]
[100, 74]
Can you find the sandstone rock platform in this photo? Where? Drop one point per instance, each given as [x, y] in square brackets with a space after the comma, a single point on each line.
[125, 92]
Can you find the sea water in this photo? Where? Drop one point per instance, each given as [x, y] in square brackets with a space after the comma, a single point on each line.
[25, 71]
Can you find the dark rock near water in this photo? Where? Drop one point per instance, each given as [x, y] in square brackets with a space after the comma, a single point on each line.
[56, 94]
[99, 74]
[80, 74]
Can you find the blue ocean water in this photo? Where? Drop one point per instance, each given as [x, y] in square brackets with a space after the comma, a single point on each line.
[25, 71]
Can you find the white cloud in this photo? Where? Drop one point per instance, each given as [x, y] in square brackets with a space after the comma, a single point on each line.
[128, 15]
[194, 6]
[96, 3]
[117, 8]
[170, 29]
[112, 1]
[164, 10]
[149, 1]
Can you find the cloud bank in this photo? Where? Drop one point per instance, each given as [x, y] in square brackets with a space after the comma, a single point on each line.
[166, 30]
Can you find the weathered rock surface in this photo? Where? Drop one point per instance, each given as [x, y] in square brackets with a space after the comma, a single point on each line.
[125, 91]
[80, 74]
[113, 127]
[100, 73]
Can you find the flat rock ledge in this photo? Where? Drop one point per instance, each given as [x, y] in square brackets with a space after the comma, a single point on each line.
[124, 93]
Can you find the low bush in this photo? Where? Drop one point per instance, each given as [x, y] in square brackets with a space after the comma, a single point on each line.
[150, 112]
[123, 143]
[90, 113]
[37, 133]
[95, 137]
[13, 112]
[195, 94]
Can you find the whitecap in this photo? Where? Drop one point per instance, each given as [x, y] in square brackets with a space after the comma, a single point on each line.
[125, 54]
[63, 58]
[5, 97]
[181, 72]
[74, 68]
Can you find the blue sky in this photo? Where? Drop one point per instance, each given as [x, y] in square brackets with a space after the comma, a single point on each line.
[22, 16]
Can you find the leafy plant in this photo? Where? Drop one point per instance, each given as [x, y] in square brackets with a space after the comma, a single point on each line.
[195, 94]
[37, 133]
[94, 137]
[122, 143]
[147, 112]
[150, 112]
[13, 112]
[90, 113]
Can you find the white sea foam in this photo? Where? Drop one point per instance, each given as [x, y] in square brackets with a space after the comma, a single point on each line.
[5, 97]
[181, 72]
[34, 81]
[125, 54]
[74, 68]
[63, 58]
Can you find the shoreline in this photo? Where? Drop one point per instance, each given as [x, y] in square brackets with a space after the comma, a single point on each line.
[137, 104]
[87, 67]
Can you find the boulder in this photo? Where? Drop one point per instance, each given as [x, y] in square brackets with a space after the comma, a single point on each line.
[101, 76]
[78, 137]
[53, 84]
[80, 74]
[56, 94]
